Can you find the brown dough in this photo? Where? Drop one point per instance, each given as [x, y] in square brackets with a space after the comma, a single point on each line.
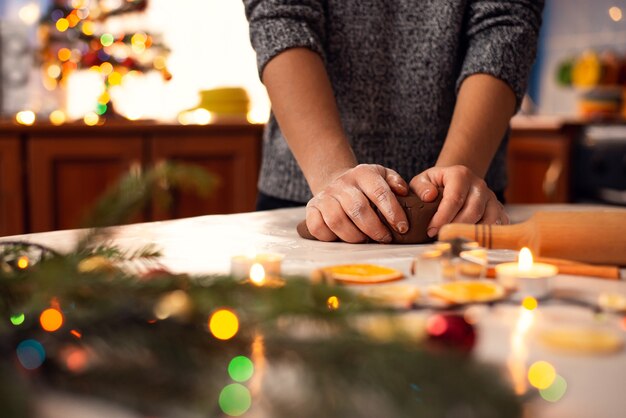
[417, 212]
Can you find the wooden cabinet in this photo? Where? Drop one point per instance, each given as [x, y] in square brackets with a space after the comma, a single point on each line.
[11, 187]
[68, 174]
[232, 156]
[52, 175]
[539, 163]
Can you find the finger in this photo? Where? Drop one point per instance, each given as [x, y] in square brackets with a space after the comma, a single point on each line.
[454, 195]
[337, 220]
[377, 190]
[316, 225]
[495, 213]
[475, 204]
[360, 212]
[396, 182]
[492, 213]
[425, 186]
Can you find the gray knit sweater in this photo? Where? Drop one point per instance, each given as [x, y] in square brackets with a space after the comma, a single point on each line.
[395, 66]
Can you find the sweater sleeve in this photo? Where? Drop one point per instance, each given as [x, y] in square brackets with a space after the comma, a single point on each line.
[277, 25]
[502, 41]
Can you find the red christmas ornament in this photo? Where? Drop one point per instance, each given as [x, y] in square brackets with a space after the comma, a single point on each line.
[450, 331]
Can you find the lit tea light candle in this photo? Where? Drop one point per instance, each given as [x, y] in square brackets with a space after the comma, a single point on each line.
[526, 277]
[240, 265]
[258, 277]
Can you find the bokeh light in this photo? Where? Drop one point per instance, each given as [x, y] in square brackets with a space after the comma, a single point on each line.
[555, 391]
[159, 62]
[139, 39]
[88, 28]
[175, 303]
[240, 369]
[53, 71]
[64, 54]
[91, 119]
[57, 117]
[18, 319]
[25, 117]
[115, 78]
[76, 334]
[22, 262]
[51, 319]
[76, 360]
[333, 303]
[224, 324]
[529, 303]
[541, 374]
[31, 354]
[101, 108]
[436, 325]
[615, 13]
[56, 14]
[62, 24]
[29, 14]
[107, 39]
[106, 68]
[235, 400]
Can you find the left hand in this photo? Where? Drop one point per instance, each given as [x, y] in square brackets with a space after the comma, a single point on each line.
[466, 197]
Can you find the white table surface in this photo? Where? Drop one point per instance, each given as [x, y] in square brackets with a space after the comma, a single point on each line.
[596, 384]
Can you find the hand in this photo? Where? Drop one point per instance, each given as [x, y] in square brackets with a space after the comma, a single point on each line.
[343, 210]
[466, 197]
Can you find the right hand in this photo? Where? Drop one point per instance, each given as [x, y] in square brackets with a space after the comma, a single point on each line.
[342, 209]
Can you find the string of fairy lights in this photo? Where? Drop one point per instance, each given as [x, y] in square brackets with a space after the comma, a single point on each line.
[72, 36]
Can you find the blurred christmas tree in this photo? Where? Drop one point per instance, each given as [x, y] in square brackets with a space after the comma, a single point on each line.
[73, 36]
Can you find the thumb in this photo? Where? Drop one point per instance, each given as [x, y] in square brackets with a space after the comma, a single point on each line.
[424, 187]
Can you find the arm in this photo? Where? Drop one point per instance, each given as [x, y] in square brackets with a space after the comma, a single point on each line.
[287, 40]
[304, 105]
[502, 39]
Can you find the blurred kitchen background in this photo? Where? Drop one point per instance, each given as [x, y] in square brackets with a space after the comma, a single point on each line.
[92, 88]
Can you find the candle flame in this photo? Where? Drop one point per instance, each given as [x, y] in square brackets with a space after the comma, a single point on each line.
[525, 260]
[257, 274]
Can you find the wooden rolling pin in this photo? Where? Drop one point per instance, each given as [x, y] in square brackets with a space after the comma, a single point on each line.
[587, 236]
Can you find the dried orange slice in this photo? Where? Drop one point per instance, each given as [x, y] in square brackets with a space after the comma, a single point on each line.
[362, 273]
[467, 291]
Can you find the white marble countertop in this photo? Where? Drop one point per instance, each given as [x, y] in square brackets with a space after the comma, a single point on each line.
[205, 245]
